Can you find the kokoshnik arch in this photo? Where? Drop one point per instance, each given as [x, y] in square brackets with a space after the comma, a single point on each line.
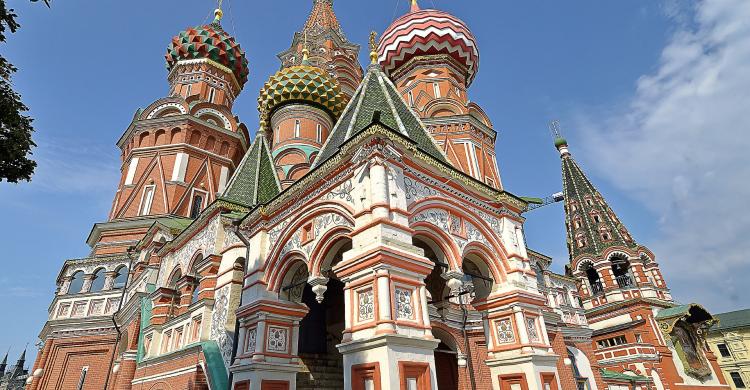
[362, 239]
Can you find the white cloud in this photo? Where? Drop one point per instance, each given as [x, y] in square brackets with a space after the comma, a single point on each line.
[682, 147]
[75, 166]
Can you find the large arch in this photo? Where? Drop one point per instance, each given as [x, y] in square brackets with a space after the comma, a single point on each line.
[494, 243]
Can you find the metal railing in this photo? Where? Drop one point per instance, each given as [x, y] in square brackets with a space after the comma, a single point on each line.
[597, 288]
[624, 281]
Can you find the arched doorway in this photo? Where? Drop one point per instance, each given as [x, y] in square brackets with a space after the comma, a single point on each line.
[446, 360]
[322, 328]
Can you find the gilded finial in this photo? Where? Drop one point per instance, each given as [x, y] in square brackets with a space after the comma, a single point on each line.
[218, 13]
[305, 52]
[373, 48]
[414, 6]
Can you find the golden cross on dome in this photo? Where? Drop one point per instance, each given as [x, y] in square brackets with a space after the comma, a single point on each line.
[373, 48]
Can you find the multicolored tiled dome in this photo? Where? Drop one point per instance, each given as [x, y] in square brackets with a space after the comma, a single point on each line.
[211, 42]
[424, 32]
[300, 83]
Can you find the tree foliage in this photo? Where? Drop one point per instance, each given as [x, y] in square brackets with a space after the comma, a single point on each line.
[15, 127]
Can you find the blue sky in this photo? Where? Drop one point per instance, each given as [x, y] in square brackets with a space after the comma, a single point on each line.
[649, 94]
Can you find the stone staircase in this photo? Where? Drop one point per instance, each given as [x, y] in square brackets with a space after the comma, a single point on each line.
[321, 372]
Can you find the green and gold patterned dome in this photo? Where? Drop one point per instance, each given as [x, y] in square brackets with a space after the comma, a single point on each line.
[210, 42]
[300, 83]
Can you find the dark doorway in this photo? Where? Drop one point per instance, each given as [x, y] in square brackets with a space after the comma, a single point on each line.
[320, 331]
[322, 327]
[446, 367]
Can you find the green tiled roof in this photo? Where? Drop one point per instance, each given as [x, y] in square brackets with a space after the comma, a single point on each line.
[609, 374]
[255, 181]
[577, 188]
[377, 93]
[732, 319]
[673, 311]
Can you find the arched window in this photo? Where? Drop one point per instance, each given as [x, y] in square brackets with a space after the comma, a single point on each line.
[622, 272]
[121, 277]
[176, 275]
[196, 284]
[476, 277]
[594, 280]
[97, 283]
[76, 283]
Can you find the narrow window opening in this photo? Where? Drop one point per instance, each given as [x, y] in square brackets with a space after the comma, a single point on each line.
[319, 134]
[211, 95]
[296, 128]
[82, 380]
[436, 90]
[197, 207]
[147, 200]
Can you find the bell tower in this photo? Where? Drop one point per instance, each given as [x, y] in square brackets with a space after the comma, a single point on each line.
[604, 258]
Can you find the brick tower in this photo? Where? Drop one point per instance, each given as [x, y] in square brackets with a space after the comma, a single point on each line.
[433, 58]
[638, 329]
[177, 155]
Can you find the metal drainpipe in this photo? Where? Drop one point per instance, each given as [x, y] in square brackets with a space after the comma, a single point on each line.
[236, 230]
[466, 343]
[114, 316]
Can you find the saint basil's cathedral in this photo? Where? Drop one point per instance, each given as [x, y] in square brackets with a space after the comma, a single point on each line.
[362, 238]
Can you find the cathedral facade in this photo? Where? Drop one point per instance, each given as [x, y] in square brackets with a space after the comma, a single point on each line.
[361, 238]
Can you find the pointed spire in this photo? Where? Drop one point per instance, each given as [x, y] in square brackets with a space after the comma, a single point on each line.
[592, 226]
[4, 363]
[322, 17]
[255, 181]
[377, 101]
[414, 6]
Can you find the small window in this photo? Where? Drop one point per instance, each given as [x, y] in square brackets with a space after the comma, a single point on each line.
[296, 128]
[319, 134]
[597, 218]
[737, 379]
[197, 206]
[189, 90]
[121, 277]
[177, 339]
[411, 99]
[436, 90]
[724, 350]
[211, 95]
[147, 199]
[196, 291]
[97, 283]
[196, 328]
[638, 338]
[165, 340]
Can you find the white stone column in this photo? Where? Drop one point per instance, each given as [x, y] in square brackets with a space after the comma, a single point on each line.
[384, 302]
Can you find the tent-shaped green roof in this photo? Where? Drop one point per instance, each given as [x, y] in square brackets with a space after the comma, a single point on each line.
[255, 181]
[377, 100]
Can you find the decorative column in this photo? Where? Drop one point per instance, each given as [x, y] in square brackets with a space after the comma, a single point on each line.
[87, 280]
[388, 332]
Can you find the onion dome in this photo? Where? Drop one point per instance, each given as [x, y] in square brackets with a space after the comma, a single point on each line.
[302, 83]
[209, 42]
[426, 32]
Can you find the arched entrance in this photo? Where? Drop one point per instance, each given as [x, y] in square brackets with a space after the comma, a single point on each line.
[446, 360]
[322, 328]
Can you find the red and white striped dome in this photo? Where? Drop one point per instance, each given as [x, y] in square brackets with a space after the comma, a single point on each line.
[429, 31]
